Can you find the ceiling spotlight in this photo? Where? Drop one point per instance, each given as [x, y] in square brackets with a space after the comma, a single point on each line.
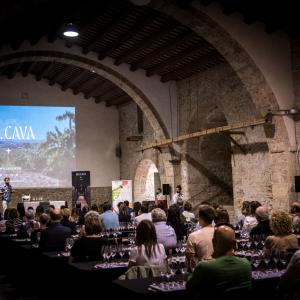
[70, 30]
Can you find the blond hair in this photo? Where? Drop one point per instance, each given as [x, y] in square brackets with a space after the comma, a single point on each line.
[281, 223]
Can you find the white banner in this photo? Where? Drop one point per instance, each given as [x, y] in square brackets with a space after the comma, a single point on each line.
[121, 191]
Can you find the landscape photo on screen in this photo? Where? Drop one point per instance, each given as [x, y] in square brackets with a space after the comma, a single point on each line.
[37, 145]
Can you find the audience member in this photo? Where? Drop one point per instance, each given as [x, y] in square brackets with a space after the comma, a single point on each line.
[129, 209]
[250, 220]
[283, 238]
[187, 212]
[175, 220]
[222, 217]
[89, 246]
[65, 221]
[199, 243]
[124, 216]
[263, 226]
[224, 274]
[148, 250]
[144, 214]
[54, 237]
[165, 234]
[109, 219]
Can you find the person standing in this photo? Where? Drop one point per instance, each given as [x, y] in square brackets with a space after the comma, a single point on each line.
[6, 191]
[178, 195]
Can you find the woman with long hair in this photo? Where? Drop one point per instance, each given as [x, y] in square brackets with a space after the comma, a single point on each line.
[148, 251]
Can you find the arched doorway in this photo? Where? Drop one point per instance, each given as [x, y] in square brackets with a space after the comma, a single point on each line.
[146, 180]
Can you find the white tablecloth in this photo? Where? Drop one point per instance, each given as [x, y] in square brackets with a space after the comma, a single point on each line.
[34, 204]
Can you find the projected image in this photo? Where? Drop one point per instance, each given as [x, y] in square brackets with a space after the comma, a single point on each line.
[37, 145]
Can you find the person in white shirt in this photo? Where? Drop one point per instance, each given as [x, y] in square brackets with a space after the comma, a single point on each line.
[148, 251]
[144, 215]
[178, 195]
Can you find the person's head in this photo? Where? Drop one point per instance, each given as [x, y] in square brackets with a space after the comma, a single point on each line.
[65, 213]
[6, 180]
[223, 241]
[188, 206]
[151, 206]
[13, 214]
[221, 216]
[144, 208]
[126, 202]
[206, 215]
[106, 206]
[146, 235]
[51, 206]
[55, 216]
[92, 224]
[136, 207]
[29, 214]
[39, 210]
[158, 215]
[246, 208]
[174, 215]
[6, 213]
[158, 191]
[262, 214]
[21, 210]
[123, 211]
[253, 206]
[281, 223]
[178, 188]
[44, 220]
[295, 208]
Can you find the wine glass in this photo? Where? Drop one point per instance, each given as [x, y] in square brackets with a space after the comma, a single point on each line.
[69, 244]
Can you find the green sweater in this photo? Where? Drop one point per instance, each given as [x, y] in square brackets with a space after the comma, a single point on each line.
[220, 275]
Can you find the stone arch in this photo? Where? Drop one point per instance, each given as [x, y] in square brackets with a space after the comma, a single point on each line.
[282, 161]
[144, 180]
[159, 129]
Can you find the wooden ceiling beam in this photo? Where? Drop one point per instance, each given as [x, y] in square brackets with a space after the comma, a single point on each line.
[80, 87]
[73, 79]
[107, 28]
[199, 47]
[145, 43]
[212, 57]
[59, 75]
[28, 69]
[142, 23]
[94, 89]
[117, 100]
[43, 72]
[177, 41]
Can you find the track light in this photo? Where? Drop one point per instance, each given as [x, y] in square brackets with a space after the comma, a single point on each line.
[70, 30]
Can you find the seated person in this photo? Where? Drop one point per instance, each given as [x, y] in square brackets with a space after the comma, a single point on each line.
[43, 224]
[109, 219]
[283, 238]
[250, 220]
[187, 212]
[175, 220]
[54, 237]
[263, 226]
[289, 281]
[65, 221]
[13, 221]
[225, 272]
[144, 214]
[148, 251]
[89, 245]
[165, 234]
[124, 216]
[199, 243]
[222, 217]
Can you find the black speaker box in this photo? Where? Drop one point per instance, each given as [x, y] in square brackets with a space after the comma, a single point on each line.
[297, 184]
[166, 189]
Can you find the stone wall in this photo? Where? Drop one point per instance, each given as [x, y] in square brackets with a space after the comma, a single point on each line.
[132, 158]
[213, 168]
[98, 195]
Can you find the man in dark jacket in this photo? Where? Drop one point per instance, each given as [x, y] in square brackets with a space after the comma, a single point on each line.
[54, 237]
